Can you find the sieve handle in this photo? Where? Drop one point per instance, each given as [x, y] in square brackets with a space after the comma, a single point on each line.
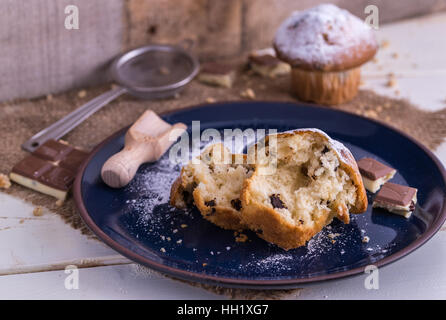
[61, 127]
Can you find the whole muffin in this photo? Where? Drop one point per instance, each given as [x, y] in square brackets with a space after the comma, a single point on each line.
[325, 47]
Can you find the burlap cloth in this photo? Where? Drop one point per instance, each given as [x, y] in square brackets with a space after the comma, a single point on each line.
[21, 119]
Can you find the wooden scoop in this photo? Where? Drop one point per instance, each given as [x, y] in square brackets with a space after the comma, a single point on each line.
[146, 141]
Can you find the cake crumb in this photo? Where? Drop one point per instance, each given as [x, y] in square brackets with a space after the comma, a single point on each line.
[248, 94]
[384, 44]
[164, 70]
[59, 203]
[241, 238]
[5, 183]
[395, 55]
[371, 114]
[391, 82]
[38, 211]
[179, 241]
[210, 100]
[333, 235]
[174, 230]
[168, 238]
[205, 264]
[163, 250]
[366, 239]
[183, 225]
[82, 94]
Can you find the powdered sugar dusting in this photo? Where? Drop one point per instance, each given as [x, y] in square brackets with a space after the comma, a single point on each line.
[337, 146]
[151, 188]
[322, 34]
[331, 241]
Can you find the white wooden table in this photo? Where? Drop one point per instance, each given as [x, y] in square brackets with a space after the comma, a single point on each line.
[35, 250]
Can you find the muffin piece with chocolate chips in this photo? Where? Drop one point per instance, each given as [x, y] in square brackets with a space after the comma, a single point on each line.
[213, 183]
[315, 180]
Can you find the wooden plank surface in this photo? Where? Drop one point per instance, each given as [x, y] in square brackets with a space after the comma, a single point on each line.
[30, 244]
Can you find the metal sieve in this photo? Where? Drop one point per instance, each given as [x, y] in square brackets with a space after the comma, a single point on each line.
[150, 72]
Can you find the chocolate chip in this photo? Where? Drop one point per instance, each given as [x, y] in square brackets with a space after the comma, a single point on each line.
[304, 170]
[301, 221]
[210, 203]
[236, 204]
[259, 231]
[187, 197]
[327, 202]
[325, 150]
[212, 212]
[276, 202]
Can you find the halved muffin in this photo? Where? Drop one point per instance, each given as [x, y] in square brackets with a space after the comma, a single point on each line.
[315, 180]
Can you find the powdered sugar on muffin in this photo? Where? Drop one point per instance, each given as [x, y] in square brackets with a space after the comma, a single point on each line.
[342, 152]
[324, 38]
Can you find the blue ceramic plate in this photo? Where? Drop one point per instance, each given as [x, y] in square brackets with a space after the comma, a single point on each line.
[138, 222]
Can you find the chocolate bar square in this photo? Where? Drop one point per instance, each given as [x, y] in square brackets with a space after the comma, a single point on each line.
[216, 68]
[374, 173]
[58, 178]
[396, 198]
[265, 60]
[73, 160]
[32, 167]
[267, 64]
[217, 74]
[52, 150]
